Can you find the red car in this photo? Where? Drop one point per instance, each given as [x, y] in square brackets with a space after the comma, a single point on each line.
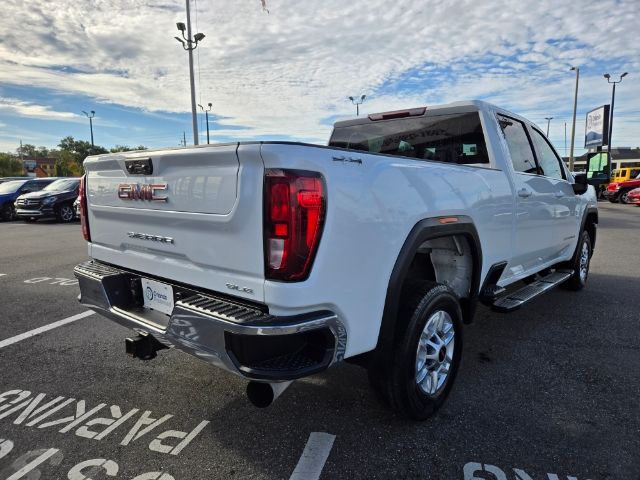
[634, 196]
[620, 191]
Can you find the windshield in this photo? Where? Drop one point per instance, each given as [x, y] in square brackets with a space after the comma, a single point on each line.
[454, 138]
[62, 185]
[10, 187]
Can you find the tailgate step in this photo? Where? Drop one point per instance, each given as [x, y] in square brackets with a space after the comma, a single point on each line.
[514, 300]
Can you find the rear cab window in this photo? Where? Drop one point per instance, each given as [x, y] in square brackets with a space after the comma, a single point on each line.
[452, 138]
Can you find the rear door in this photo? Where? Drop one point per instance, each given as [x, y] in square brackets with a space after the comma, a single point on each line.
[535, 235]
[192, 216]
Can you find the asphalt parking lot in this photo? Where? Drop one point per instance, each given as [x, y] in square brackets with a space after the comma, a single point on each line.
[548, 392]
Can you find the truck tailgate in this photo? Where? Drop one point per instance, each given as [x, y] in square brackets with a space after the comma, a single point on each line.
[200, 224]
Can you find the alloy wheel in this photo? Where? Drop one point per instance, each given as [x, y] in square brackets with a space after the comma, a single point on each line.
[66, 214]
[435, 353]
[584, 262]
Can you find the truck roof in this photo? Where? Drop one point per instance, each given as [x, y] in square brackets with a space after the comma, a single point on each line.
[454, 107]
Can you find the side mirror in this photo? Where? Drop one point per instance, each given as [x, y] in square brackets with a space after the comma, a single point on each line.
[598, 168]
[581, 185]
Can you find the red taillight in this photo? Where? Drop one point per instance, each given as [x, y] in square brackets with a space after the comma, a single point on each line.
[84, 219]
[295, 206]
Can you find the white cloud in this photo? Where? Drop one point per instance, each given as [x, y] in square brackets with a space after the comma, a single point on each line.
[283, 73]
[32, 110]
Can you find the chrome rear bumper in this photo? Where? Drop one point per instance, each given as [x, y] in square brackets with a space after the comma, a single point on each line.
[241, 338]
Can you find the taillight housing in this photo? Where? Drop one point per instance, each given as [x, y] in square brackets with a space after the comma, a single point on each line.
[295, 205]
[84, 219]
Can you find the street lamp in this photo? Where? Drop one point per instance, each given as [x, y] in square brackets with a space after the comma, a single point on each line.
[613, 98]
[573, 128]
[189, 45]
[90, 117]
[357, 102]
[548, 119]
[206, 114]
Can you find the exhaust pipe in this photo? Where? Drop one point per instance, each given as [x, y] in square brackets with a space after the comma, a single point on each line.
[263, 394]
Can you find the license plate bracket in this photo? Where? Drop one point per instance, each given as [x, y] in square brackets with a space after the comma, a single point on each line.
[157, 296]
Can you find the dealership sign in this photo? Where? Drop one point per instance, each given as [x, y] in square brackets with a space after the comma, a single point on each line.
[597, 128]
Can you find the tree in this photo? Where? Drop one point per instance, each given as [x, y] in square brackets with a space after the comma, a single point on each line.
[42, 152]
[80, 149]
[27, 150]
[10, 166]
[66, 164]
[126, 148]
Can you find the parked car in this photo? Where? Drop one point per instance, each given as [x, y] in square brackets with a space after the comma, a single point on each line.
[53, 201]
[8, 179]
[624, 174]
[634, 196]
[619, 191]
[276, 260]
[10, 191]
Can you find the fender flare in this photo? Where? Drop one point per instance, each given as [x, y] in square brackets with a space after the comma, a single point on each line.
[590, 210]
[424, 230]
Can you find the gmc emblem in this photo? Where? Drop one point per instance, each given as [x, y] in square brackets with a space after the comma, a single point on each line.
[136, 191]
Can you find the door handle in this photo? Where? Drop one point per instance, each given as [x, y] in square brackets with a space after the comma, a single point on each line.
[524, 193]
[559, 194]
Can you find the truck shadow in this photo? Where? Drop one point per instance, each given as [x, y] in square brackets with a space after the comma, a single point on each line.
[529, 373]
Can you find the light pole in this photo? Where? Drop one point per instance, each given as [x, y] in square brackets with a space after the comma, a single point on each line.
[357, 102]
[613, 99]
[90, 117]
[206, 114]
[189, 45]
[548, 119]
[573, 128]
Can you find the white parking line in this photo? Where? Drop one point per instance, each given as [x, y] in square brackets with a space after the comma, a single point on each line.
[313, 457]
[37, 331]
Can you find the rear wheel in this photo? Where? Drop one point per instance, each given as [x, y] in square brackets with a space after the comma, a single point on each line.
[419, 374]
[66, 214]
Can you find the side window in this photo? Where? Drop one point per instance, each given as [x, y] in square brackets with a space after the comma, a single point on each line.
[522, 155]
[547, 158]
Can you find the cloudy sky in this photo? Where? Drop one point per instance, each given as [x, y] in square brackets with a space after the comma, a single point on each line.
[286, 74]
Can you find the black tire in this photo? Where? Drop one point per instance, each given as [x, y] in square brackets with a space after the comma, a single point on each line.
[8, 212]
[624, 196]
[66, 214]
[395, 383]
[577, 281]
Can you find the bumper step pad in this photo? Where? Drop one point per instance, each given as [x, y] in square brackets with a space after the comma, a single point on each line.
[514, 300]
[224, 309]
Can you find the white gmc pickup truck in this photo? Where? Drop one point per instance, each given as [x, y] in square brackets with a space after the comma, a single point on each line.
[277, 260]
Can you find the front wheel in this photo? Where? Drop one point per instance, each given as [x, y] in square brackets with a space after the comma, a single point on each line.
[624, 197]
[417, 378]
[580, 263]
[8, 212]
[66, 214]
